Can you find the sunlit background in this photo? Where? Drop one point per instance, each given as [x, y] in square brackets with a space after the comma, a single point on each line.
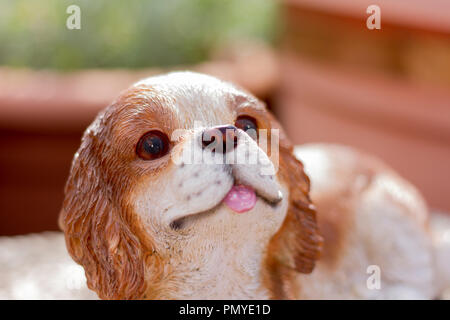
[325, 75]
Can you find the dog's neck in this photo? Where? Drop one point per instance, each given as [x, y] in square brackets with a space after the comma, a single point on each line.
[222, 273]
[234, 275]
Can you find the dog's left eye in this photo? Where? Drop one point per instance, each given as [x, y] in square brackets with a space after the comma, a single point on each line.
[246, 123]
[153, 145]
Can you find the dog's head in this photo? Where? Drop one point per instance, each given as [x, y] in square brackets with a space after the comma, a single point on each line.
[174, 194]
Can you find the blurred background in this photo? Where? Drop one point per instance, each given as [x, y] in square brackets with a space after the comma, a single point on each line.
[324, 74]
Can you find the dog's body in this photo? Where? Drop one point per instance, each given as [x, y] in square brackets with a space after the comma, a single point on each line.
[146, 223]
[375, 228]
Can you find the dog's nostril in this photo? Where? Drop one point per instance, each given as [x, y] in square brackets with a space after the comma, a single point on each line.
[177, 224]
[223, 137]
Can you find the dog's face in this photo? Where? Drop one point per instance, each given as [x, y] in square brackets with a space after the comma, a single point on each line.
[185, 187]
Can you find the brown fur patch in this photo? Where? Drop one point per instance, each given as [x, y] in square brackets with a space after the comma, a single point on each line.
[100, 230]
[297, 245]
[334, 219]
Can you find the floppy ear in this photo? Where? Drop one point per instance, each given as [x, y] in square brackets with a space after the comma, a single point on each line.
[297, 245]
[97, 233]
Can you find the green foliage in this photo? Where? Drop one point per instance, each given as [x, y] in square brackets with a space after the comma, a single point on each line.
[127, 34]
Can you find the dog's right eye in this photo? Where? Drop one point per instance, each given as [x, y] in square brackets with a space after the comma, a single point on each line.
[153, 145]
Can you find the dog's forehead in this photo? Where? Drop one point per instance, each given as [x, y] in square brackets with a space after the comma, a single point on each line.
[197, 99]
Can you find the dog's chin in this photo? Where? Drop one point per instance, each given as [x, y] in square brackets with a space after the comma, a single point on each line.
[185, 221]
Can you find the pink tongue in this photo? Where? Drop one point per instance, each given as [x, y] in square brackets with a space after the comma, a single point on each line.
[240, 199]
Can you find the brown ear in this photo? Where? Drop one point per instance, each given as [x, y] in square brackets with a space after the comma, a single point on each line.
[98, 235]
[297, 245]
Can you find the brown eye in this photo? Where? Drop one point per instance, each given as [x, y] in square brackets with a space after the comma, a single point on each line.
[152, 145]
[246, 123]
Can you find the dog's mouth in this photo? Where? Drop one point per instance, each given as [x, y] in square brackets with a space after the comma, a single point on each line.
[239, 199]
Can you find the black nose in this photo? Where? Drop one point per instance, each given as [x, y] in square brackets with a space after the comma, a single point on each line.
[224, 138]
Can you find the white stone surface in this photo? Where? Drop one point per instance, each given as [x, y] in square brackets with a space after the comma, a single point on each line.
[37, 266]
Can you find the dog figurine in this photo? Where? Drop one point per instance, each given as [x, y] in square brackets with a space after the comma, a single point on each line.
[148, 221]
